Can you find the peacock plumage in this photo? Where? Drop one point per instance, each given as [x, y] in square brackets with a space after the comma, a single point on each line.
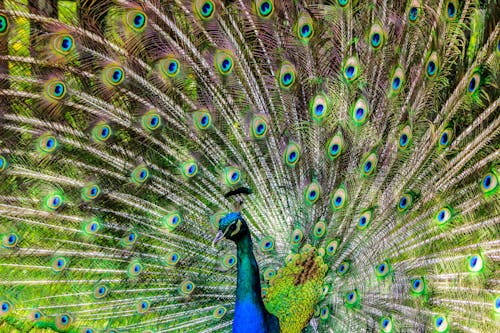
[249, 166]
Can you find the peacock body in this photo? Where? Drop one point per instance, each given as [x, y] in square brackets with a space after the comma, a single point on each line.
[346, 150]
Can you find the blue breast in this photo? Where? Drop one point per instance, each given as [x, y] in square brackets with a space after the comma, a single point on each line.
[248, 318]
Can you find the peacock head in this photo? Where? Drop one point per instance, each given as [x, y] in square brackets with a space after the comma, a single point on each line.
[232, 226]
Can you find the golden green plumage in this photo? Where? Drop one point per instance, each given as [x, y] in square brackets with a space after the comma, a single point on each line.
[293, 294]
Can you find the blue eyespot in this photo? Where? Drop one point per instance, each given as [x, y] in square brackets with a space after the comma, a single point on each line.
[362, 221]
[136, 20]
[312, 195]
[5, 307]
[226, 65]
[66, 44]
[154, 121]
[368, 166]
[320, 108]
[260, 128]
[444, 139]
[360, 112]
[416, 284]
[90, 192]
[117, 75]
[396, 83]
[204, 120]
[232, 176]
[172, 67]
[431, 68]
[50, 143]
[385, 322]
[287, 79]
[334, 149]
[473, 261]
[441, 216]
[286, 75]
[376, 39]
[4, 24]
[59, 90]
[451, 10]
[113, 75]
[306, 30]
[487, 182]
[265, 8]
[235, 176]
[206, 9]
[403, 203]
[139, 20]
[472, 84]
[403, 140]
[350, 296]
[413, 15]
[12, 239]
[350, 71]
[292, 157]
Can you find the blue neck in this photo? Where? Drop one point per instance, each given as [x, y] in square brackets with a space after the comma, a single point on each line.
[250, 314]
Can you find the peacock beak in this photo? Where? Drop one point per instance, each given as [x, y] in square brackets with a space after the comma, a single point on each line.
[220, 235]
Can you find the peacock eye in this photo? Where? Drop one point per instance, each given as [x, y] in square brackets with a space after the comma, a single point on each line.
[62, 44]
[440, 323]
[351, 69]
[286, 75]
[4, 24]
[135, 20]
[386, 324]
[224, 62]
[204, 9]
[413, 14]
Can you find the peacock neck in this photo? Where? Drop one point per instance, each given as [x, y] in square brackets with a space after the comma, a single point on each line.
[248, 287]
[250, 315]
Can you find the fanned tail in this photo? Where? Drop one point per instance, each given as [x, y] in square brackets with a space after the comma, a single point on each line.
[367, 130]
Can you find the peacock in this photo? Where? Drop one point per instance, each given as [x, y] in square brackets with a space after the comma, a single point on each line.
[249, 166]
